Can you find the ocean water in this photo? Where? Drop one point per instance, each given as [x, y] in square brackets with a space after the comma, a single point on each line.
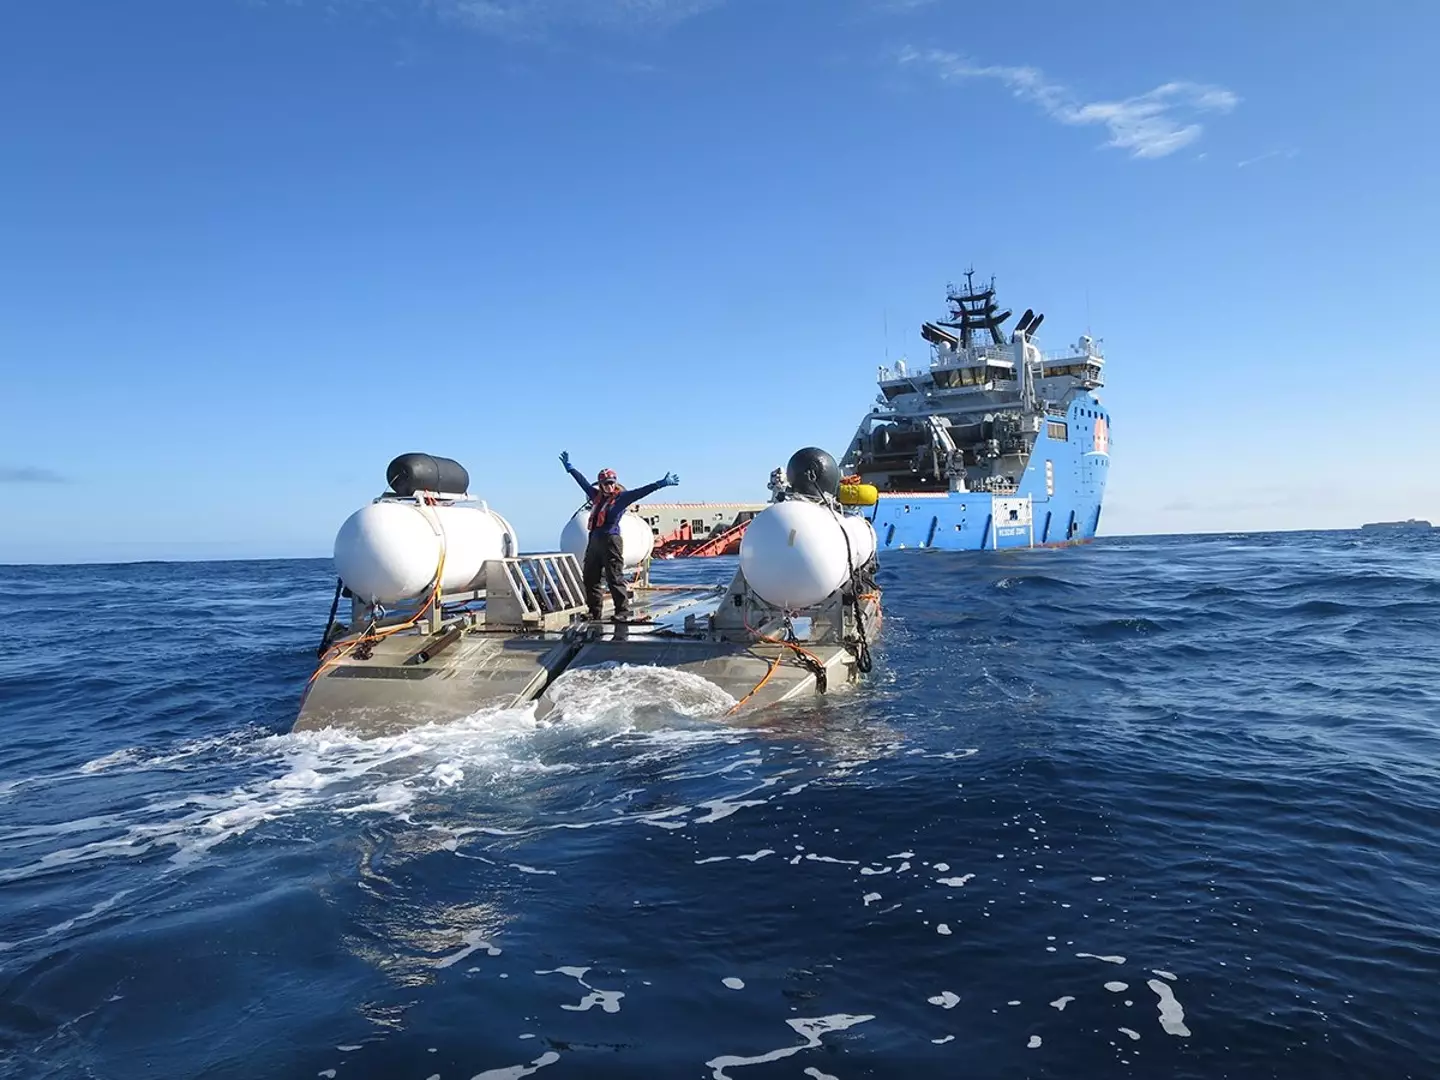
[1153, 808]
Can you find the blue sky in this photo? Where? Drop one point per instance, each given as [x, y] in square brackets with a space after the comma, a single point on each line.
[250, 251]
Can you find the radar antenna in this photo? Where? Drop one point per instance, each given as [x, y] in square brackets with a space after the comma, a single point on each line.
[974, 310]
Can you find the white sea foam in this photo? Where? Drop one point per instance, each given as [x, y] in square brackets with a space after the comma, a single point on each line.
[473, 942]
[127, 756]
[515, 1072]
[608, 1000]
[66, 924]
[719, 809]
[946, 999]
[1172, 1015]
[732, 983]
[1117, 987]
[1061, 1002]
[336, 771]
[1106, 959]
[811, 1030]
[629, 692]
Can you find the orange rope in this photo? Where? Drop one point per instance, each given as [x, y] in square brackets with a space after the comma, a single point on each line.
[339, 652]
[775, 664]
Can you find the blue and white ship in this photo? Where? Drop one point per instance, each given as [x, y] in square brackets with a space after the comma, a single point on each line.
[998, 445]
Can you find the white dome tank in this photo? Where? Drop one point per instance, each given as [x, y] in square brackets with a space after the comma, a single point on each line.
[862, 538]
[388, 551]
[794, 553]
[637, 542]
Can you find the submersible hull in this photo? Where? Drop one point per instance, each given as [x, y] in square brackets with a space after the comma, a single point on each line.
[494, 629]
[469, 663]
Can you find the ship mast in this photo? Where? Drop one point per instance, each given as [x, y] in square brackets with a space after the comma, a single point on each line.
[972, 311]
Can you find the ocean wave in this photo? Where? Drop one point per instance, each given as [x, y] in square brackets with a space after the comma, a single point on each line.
[1169, 797]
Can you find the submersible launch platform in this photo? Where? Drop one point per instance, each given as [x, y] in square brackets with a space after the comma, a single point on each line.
[447, 617]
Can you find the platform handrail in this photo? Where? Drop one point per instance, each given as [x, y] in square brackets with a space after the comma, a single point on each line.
[542, 591]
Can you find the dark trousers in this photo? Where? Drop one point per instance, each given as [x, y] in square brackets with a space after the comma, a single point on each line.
[604, 557]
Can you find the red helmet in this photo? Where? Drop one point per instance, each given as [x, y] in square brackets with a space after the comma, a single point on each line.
[606, 476]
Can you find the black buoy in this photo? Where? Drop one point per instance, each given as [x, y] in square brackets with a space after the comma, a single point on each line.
[813, 472]
[410, 473]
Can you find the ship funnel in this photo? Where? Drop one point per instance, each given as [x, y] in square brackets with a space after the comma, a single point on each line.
[1024, 322]
[1035, 326]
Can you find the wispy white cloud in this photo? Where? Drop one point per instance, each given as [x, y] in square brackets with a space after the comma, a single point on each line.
[530, 17]
[522, 18]
[899, 7]
[29, 474]
[1150, 125]
[1287, 154]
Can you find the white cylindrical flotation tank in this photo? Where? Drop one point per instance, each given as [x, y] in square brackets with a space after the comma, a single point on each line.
[637, 542]
[862, 538]
[512, 540]
[794, 553]
[389, 551]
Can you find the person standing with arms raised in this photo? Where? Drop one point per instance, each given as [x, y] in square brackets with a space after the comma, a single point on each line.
[603, 554]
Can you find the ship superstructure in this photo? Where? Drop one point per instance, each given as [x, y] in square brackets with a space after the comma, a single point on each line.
[699, 520]
[996, 445]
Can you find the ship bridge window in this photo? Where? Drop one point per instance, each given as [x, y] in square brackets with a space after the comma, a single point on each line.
[1057, 430]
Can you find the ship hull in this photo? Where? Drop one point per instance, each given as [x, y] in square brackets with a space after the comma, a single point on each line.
[1057, 500]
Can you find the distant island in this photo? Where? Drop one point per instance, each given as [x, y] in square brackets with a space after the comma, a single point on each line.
[1412, 523]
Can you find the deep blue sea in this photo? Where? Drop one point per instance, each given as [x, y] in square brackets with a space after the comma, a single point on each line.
[1150, 808]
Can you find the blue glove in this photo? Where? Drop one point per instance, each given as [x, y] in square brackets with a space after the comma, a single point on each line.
[670, 480]
[565, 458]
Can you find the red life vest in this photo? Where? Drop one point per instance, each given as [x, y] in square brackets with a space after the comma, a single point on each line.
[599, 510]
